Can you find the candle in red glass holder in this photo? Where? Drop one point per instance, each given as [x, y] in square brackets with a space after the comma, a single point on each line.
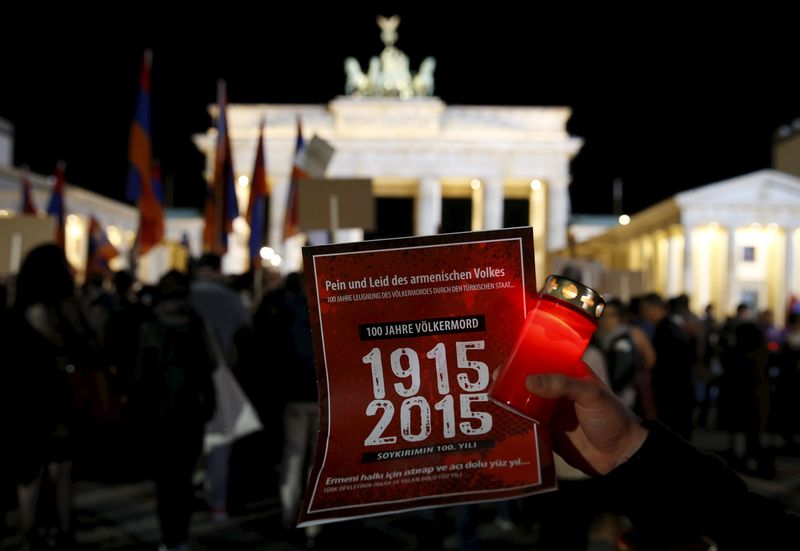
[556, 332]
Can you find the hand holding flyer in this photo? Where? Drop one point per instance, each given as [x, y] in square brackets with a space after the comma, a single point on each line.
[406, 334]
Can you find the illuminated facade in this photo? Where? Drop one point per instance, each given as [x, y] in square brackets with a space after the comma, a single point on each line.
[723, 244]
[420, 149]
[391, 130]
[120, 221]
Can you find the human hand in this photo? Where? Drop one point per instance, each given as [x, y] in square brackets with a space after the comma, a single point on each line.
[592, 430]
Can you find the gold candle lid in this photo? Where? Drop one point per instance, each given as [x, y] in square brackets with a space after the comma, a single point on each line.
[587, 300]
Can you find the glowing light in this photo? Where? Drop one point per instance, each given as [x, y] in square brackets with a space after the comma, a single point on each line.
[114, 235]
[755, 226]
[713, 226]
[772, 226]
[244, 181]
[74, 229]
[536, 185]
[475, 184]
[240, 225]
[535, 345]
[267, 252]
[130, 236]
[624, 219]
[4, 212]
[73, 219]
[275, 260]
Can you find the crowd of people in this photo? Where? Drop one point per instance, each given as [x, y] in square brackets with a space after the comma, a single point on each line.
[123, 368]
[669, 364]
[674, 369]
[120, 378]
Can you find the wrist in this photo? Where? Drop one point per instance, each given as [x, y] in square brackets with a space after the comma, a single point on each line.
[634, 442]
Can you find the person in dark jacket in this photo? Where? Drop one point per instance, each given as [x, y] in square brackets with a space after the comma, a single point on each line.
[224, 313]
[673, 387]
[290, 339]
[672, 492]
[614, 339]
[49, 348]
[176, 396]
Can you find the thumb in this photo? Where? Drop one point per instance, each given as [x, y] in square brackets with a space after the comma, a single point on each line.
[584, 391]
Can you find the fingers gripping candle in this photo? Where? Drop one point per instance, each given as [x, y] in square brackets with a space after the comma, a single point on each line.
[556, 332]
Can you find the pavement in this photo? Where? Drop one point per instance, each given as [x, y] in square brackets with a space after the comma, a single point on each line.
[120, 515]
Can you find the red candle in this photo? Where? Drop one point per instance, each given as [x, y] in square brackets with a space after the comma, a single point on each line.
[556, 332]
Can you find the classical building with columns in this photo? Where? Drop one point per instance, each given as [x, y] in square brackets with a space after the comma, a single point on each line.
[119, 220]
[433, 167]
[423, 150]
[725, 243]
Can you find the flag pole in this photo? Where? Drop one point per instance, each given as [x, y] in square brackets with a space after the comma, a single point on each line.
[258, 282]
[333, 215]
[617, 196]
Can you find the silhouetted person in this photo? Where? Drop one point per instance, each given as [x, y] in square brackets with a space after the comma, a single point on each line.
[296, 378]
[48, 347]
[176, 390]
[672, 375]
[122, 333]
[711, 366]
[224, 313]
[744, 394]
[786, 406]
[97, 303]
[613, 338]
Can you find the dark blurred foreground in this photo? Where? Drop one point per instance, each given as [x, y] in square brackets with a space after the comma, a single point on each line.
[115, 509]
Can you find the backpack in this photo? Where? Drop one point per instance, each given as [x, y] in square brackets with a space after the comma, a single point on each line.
[174, 369]
[621, 359]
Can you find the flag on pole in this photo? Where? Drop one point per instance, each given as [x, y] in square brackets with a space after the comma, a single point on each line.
[139, 145]
[142, 172]
[221, 207]
[151, 212]
[26, 205]
[290, 221]
[158, 183]
[257, 203]
[56, 206]
[101, 251]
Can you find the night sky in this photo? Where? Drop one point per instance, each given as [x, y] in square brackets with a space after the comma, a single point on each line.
[665, 102]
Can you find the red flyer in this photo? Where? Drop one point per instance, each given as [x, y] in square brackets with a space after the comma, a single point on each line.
[406, 335]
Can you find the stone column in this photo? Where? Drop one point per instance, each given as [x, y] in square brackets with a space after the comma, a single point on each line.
[672, 284]
[476, 193]
[730, 281]
[558, 210]
[492, 203]
[688, 275]
[428, 206]
[537, 218]
[791, 271]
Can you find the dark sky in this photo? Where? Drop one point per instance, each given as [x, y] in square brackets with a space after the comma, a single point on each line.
[666, 102]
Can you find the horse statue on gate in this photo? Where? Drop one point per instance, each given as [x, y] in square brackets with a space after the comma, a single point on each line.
[357, 82]
[389, 75]
[423, 80]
